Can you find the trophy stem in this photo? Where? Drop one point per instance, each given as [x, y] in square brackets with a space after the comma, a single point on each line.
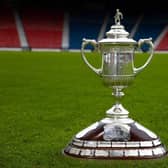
[117, 92]
[117, 111]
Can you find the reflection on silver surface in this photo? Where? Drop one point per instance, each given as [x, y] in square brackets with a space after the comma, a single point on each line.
[117, 66]
[158, 151]
[117, 150]
[102, 153]
[118, 144]
[121, 120]
[104, 144]
[91, 127]
[163, 149]
[78, 143]
[146, 144]
[145, 152]
[116, 153]
[87, 152]
[147, 131]
[132, 144]
[92, 144]
[67, 149]
[131, 152]
[74, 151]
[116, 132]
[156, 142]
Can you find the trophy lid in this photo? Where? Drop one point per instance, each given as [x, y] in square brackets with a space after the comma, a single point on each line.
[117, 33]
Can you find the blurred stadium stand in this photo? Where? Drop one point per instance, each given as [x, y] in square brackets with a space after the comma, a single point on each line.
[84, 25]
[43, 27]
[8, 32]
[45, 24]
[162, 45]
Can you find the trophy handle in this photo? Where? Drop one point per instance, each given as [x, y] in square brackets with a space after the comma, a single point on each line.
[94, 44]
[140, 42]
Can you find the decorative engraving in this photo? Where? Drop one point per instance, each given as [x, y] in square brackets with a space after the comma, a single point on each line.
[116, 132]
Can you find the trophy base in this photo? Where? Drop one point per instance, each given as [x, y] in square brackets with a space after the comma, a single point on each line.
[116, 139]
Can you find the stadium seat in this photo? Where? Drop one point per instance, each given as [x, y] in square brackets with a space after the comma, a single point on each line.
[151, 26]
[84, 25]
[163, 45]
[43, 27]
[8, 31]
[47, 28]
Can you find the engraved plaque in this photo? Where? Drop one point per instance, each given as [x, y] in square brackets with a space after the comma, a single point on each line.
[116, 132]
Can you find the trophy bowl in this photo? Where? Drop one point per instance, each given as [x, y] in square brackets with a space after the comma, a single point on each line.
[116, 136]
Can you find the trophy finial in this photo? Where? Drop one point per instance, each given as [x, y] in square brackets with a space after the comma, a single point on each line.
[118, 16]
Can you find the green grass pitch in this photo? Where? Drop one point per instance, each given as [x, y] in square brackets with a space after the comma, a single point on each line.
[46, 98]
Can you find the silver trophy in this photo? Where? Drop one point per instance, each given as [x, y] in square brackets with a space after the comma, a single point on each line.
[116, 136]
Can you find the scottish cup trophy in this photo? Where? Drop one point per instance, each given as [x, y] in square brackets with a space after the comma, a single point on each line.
[116, 136]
